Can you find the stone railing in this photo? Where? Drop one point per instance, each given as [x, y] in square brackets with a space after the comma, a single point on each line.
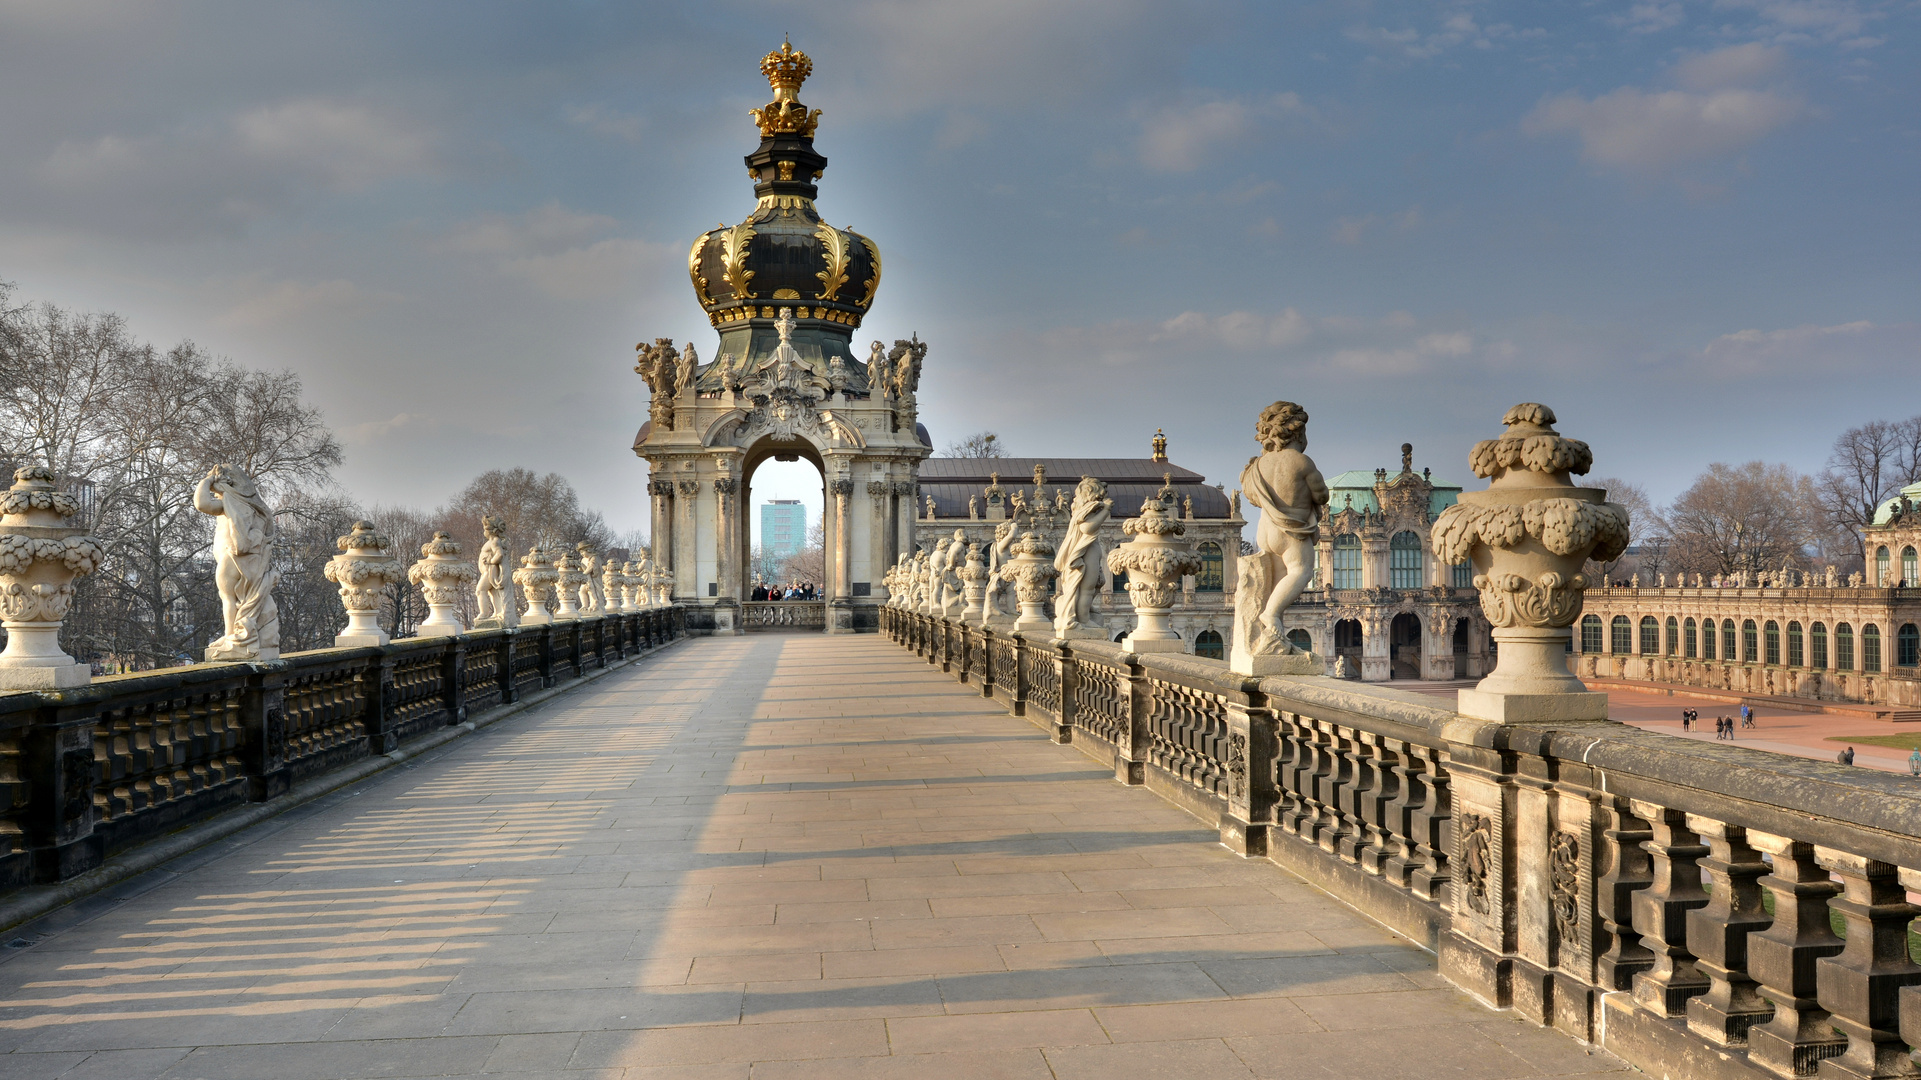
[783, 615]
[1699, 909]
[91, 771]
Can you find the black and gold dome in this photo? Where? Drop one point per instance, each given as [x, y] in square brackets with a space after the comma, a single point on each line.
[784, 255]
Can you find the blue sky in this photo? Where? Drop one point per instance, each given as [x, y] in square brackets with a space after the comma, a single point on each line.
[1690, 227]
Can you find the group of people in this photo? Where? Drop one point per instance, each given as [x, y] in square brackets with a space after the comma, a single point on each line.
[802, 590]
[1723, 725]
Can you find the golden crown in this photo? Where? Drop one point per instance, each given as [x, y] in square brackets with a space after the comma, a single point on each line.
[786, 68]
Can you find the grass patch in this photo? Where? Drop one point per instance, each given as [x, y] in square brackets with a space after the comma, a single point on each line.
[1897, 742]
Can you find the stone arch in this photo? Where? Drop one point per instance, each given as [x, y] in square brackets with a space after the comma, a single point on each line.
[1404, 646]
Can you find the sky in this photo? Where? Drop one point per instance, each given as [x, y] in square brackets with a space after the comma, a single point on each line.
[1692, 227]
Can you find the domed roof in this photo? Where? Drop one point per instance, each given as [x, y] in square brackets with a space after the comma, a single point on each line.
[783, 255]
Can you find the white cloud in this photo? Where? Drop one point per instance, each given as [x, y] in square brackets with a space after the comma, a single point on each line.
[1650, 18]
[546, 229]
[1355, 230]
[349, 147]
[1852, 348]
[1737, 65]
[1179, 138]
[1831, 21]
[1651, 131]
[562, 253]
[1456, 29]
[592, 272]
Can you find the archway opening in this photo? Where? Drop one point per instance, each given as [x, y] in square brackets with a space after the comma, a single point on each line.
[1460, 649]
[1347, 641]
[1404, 647]
[783, 536]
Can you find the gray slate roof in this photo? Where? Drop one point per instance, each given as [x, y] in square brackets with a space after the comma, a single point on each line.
[1130, 482]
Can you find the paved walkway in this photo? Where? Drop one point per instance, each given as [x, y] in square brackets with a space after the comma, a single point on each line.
[767, 857]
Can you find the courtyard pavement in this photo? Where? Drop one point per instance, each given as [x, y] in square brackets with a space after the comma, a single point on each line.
[764, 857]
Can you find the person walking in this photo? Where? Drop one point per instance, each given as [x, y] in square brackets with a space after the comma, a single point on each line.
[1914, 762]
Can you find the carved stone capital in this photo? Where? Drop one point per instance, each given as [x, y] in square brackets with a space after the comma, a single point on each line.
[878, 489]
[689, 488]
[726, 485]
[661, 488]
[841, 487]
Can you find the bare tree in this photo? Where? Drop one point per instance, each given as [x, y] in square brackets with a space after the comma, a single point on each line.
[1753, 516]
[809, 564]
[1864, 468]
[1647, 531]
[981, 444]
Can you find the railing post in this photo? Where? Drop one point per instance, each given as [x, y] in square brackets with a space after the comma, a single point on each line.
[1017, 701]
[1860, 986]
[263, 718]
[987, 660]
[1130, 760]
[377, 680]
[1782, 959]
[1067, 676]
[1252, 745]
[57, 760]
[453, 676]
[504, 669]
[545, 649]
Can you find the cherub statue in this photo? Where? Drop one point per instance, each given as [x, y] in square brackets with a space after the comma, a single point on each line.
[974, 507]
[1080, 560]
[591, 598]
[999, 591]
[491, 600]
[930, 507]
[1291, 494]
[243, 564]
[951, 598]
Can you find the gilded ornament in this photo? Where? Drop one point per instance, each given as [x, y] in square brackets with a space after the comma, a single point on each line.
[693, 270]
[785, 169]
[872, 283]
[834, 250]
[733, 259]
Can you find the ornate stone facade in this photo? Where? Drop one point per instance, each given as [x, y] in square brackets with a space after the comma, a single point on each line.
[786, 292]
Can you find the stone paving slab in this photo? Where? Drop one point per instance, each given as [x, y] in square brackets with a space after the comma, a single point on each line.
[765, 857]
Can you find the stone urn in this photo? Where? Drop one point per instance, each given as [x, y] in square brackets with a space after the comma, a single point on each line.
[612, 582]
[442, 577]
[1031, 572]
[40, 556]
[363, 569]
[1528, 536]
[1155, 561]
[633, 588]
[663, 587]
[973, 577]
[536, 578]
[569, 578]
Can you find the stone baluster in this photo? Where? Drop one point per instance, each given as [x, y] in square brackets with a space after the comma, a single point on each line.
[1782, 959]
[1860, 986]
[1432, 817]
[1357, 752]
[1376, 806]
[40, 556]
[1630, 869]
[1398, 814]
[363, 569]
[442, 577]
[1330, 775]
[1660, 912]
[1719, 934]
[1289, 736]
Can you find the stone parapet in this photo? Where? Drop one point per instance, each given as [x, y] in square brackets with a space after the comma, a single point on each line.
[1670, 900]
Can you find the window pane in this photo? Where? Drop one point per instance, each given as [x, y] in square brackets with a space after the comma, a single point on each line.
[1463, 575]
[1843, 647]
[1908, 575]
[1707, 640]
[1208, 643]
[1623, 634]
[1591, 634]
[1773, 642]
[1650, 636]
[1688, 643]
[1818, 640]
[1880, 566]
[1727, 640]
[1870, 648]
[1210, 577]
[1794, 644]
[1347, 561]
[1908, 646]
[1404, 561]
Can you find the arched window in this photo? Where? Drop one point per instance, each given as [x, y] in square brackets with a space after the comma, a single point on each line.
[1907, 646]
[1212, 574]
[1771, 642]
[1707, 640]
[1301, 639]
[1908, 575]
[1208, 643]
[1843, 647]
[1881, 566]
[1674, 638]
[1122, 636]
[1623, 633]
[1463, 575]
[1727, 639]
[1748, 643]
[1818, 646]
[1404, 560]
[1688, 644]
[1590, 633]
[1347, 561]
[1870, 648]
[1794, 644]
[1650, 636]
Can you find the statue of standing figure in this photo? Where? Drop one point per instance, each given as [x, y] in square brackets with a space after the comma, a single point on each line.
[243, 564]
[592, 599]
[999, 603]
[1283, 483]
[1080, 562]
[493, 606]
[952, 598]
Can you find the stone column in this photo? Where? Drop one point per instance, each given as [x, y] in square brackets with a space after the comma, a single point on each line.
[686, 562]
[881, 557]
[726, 552]
[1374, 570]
[906, 512]
[660, 540]
[840, 620]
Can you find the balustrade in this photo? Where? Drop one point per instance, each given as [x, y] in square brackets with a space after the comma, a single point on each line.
[1668, 898]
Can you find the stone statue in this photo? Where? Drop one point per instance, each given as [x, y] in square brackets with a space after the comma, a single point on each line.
[1634, 580]
[493, 606]
[973, 507]
[1291, 495]
[1187, 507]
[685, 365]
[1661, 580]
[931, 575]
[363, 570]
[930, 508]
[999, 600]
[905, 360]
[952, 592]
[659, 365]
[243, 564]
[1080, 562]
[1236, 500]
[1831, 578]
[878, 377]
[592, 600]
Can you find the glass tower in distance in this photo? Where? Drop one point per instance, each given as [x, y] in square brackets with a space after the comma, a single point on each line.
[783, 531]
